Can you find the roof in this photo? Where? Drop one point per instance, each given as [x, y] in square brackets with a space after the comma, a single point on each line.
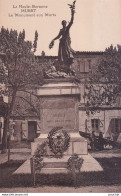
[76, 53]
[90, 52]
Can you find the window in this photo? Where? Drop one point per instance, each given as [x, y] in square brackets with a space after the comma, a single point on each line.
[115, 125]
[118, 101]
[32, 130]
[84, 66]
[95, 124]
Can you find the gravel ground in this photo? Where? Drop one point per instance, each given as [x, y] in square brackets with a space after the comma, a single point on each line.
[106, 153]
[46, 189]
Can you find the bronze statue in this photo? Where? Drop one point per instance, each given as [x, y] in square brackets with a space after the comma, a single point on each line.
[65, 52]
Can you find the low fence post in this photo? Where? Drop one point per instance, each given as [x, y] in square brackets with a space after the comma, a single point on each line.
[74, 173]
[32, 171]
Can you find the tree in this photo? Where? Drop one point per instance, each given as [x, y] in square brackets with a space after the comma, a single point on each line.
[43, 54]
[104, 83]
[18, 69]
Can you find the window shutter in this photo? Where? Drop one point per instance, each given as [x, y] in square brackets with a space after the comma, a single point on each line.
[86, 66]
[101, 123]
[24, 130]
[38, 126]
[82, 68]
[10, 125]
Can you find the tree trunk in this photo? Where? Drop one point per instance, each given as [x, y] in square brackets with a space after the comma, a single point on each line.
[6, 123]
[4, 139]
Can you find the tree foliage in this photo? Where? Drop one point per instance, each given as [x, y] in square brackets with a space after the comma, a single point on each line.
[43, 54]
[19, 69]
[104, 83]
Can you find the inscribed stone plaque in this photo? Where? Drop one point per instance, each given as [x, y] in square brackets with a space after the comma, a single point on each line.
[60, 112]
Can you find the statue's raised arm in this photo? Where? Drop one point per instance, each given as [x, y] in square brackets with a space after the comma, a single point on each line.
[72, 7]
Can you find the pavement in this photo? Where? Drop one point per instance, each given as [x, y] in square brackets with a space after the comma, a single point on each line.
[16, 154]
[3, 158]
[107, 153]
[60, 189]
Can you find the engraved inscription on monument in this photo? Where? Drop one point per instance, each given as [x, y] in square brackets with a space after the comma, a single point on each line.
[60, 112]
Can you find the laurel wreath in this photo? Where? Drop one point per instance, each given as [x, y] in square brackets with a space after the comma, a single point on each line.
[58, 141]
[38, 156]
[75, 162]
[51, 44]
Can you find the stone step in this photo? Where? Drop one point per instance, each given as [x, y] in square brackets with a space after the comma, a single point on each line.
[19, 150]
[54, 170]
[89, 165]
[64, 159]
[55, 165]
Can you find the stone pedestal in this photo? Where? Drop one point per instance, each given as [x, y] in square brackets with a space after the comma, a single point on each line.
[59, 108]
[78, 144]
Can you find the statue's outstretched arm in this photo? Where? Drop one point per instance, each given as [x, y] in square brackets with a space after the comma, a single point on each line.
[52, 42]
[58, 36]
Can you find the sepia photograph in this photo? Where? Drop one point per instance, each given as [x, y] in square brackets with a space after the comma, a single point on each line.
[60, 97]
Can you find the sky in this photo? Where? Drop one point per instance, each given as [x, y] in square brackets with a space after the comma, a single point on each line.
[97, 23]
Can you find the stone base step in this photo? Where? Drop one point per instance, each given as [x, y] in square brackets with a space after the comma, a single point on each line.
[89, 165]
[20, 150]
[54, 170]
[55, 165]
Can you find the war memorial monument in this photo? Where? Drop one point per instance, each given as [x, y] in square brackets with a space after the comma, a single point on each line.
[59, 99]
